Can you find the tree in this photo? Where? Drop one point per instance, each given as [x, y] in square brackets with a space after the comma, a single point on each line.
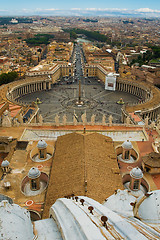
[8, 77]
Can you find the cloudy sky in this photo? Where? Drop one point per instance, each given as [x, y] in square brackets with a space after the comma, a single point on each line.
[30, 7]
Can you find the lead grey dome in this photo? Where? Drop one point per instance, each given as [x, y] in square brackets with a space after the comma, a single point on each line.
[5, 163]
[127, 145]
[34, 173]
[136, 173]
[42, 144]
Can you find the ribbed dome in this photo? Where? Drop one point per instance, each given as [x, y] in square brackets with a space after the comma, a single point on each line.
[34, 173]
[5, 163]
[42, 144]
[127, 145]
[136, 173]
[120, 202]
[149, 210]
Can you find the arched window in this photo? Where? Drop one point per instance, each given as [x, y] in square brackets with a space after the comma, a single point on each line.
[33, 184]
[41, 154]
[127, 154]
[136, 185]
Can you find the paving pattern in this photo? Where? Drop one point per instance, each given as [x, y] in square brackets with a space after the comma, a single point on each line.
[62, 97]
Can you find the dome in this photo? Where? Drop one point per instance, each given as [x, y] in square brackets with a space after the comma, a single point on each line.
[120, 202]
[42, 144]
[148, 209]
[15, 222]
[5, 163]
[127, 145]
[34, 173]
[136, 173]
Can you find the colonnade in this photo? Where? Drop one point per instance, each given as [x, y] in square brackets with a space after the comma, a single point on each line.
[142, 92]
[136, 90]
[152, 114]
[29, 87]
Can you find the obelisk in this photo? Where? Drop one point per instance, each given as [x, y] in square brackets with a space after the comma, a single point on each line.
[79, 97]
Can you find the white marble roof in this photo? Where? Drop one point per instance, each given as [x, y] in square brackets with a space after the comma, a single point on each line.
[120, 202]
[149, 209]
[15, 222]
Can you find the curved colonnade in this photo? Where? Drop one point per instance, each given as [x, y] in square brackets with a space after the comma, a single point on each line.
[148, 94]
[28, 87]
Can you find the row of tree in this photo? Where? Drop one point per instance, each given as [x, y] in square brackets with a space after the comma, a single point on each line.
[8, 77]
[92, 35]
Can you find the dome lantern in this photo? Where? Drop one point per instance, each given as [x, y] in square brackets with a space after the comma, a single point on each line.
[5, 166]
[127, 148]
[34, 177]
[42, 149]
[136, 176]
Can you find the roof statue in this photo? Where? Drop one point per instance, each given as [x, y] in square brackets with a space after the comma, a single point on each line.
[74, 120]
[6, 121]
[110, 120]
[57, 119]
[84, 118]
[64, 119]
[103, 120]
[93, 119]
[40, 119]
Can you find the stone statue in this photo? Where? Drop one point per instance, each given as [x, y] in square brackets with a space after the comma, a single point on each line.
[93, 119]
[57, 120]
[146, 121]
[20, 118]
[104, 120]
[110, 120]
[40, 119]
[84, 118]
[64, 119]
[15, 122]
[158, 121]
[152, 125]
[6, 121]
[74, 120]
[128, 120]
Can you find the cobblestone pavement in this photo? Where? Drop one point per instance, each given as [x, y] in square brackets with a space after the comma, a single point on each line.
[61, 99]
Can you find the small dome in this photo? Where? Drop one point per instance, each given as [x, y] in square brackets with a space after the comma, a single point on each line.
[34, 173]
[127, 145]
[42, 144]
[136, 173]
[5, 163]
[149, 210]
[120, 202]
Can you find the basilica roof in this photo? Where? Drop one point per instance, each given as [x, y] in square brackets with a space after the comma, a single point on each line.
[84, 164]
